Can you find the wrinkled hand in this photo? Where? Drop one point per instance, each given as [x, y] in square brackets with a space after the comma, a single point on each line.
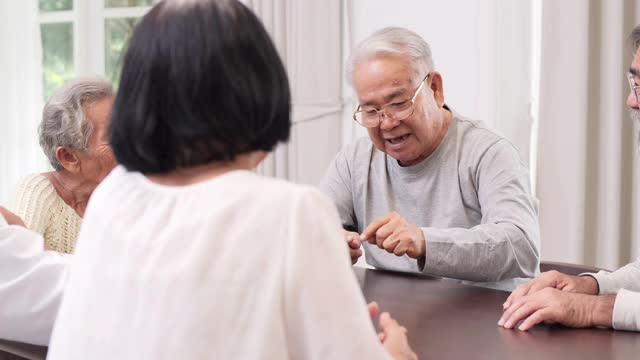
[12, 219]
[551, 305]
[394, 338]
[396, 235]
[557, 280]
[353, 242]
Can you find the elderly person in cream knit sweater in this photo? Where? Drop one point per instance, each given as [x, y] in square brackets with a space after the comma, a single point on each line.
[73, 136]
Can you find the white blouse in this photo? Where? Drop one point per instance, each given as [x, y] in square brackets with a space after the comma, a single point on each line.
[31, 285]
[236, 267]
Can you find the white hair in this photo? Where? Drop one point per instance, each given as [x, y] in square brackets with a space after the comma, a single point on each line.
[63, 120]
[394, 41]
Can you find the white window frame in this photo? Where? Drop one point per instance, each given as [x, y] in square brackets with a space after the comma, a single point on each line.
[88, 21]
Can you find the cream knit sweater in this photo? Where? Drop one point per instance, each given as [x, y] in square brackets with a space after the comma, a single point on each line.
[43, 211]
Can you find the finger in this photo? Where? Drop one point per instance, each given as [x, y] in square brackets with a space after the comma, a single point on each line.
[386, 322]
[519, 292]
[515, 305]
[545, 280]
[401, 249]
[354, 243]
[523, 312]
[373, 309]
[384, 232]
[370, 230]
[382, 337]
[390, 243]
[542, 315]
[355, 255]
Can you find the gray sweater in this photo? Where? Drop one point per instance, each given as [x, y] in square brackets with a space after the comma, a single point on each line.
[471, 197]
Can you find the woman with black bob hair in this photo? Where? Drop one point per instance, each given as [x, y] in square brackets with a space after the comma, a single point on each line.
[185, 253]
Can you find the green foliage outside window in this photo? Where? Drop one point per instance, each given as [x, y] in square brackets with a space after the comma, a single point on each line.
[127, 3]
[55, 5]
[117, 32]
[57, 55]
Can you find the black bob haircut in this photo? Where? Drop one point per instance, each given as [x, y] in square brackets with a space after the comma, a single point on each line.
[201, 82]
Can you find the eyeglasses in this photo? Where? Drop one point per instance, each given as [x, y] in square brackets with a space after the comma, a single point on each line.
[635, 88]
[396, 110]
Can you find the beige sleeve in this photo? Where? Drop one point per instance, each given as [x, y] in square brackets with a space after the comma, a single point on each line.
[31, 202]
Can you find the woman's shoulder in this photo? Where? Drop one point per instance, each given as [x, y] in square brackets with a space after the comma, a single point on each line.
[34, 189]
[295, 195]
[34, 183]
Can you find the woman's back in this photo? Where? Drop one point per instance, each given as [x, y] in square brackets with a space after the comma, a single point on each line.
[238, 266]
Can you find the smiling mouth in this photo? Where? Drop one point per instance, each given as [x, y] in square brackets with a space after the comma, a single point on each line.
[398, 139]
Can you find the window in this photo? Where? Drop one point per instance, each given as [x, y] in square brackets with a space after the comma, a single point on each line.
[85, 38]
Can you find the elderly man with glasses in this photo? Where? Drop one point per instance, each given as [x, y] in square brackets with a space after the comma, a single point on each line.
[429, 191]
[602, 299]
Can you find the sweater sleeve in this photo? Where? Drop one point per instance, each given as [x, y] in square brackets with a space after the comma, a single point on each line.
[31, 286]
[626, 311]
[627, 277]
[336, 184]
[325, 313]
[506, 242]
[31, 202]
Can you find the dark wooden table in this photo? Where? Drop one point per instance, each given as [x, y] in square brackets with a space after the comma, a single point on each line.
[16, 351]
[448, 320]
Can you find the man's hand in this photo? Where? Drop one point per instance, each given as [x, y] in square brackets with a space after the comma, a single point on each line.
[396, 235]
[556, 306]
[12, 219]
[557, 280]
[353, 242]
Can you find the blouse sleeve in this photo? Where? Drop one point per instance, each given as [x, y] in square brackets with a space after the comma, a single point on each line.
[326, 314]
[31, 286]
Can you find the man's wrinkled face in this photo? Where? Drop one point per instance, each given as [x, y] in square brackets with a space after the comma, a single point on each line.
[385, 80]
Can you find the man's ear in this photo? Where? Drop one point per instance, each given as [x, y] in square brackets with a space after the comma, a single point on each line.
[437, 87]
[68, 158]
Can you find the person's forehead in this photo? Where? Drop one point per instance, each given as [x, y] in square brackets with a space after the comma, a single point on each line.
[383, 66]
[380, 76]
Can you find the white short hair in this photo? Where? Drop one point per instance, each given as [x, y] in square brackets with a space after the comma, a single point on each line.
[63, 119]
[394, 41]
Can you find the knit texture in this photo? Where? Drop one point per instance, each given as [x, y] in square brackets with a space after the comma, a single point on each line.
[43, 211]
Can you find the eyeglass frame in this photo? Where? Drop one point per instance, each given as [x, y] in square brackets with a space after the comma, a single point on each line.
[633, 86]
[381, 111]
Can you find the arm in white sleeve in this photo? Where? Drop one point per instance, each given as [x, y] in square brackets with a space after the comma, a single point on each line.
[506, 243]
[626, 311]
[627, 277]
[31, 286]
[326, 314]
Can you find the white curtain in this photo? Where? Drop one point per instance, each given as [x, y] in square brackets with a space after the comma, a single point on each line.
[20, 93]
[307, 35]
[587, 179]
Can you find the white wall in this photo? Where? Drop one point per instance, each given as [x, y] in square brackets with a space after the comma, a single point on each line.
[483, 48]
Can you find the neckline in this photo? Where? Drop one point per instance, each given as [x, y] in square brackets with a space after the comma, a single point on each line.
[423, 165]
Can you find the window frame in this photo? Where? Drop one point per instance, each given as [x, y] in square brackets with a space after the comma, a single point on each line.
[88, 20]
